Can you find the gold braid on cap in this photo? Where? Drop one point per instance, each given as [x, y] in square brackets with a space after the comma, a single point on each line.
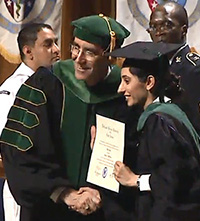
[112, 33]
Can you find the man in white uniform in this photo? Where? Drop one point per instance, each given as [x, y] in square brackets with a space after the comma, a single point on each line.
[38, 47]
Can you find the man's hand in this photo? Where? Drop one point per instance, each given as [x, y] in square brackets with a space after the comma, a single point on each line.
[70, 197]
[89, 197]
[93, 136]
[84, 201]
[93, 197]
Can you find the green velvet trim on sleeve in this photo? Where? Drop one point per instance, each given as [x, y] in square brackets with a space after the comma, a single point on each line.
[31, 95]
[16, 139]
[23, 116]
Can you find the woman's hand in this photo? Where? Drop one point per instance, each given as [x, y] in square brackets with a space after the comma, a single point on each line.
[124, 175]
[93, 136]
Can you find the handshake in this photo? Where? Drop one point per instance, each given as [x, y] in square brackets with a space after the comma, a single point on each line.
[86, 200]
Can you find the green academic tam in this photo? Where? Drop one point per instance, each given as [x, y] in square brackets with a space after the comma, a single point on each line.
[98, 29]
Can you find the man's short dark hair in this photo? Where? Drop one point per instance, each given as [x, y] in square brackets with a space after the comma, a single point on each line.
[28, 35]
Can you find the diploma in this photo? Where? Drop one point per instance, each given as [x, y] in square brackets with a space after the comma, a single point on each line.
[108, 148]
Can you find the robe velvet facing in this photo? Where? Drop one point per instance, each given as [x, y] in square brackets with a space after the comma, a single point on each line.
[81, 105]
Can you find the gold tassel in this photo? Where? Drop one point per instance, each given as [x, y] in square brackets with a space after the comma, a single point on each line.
[112, 34]
[112, 41]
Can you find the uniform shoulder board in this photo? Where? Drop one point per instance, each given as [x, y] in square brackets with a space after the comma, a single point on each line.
[193, 57]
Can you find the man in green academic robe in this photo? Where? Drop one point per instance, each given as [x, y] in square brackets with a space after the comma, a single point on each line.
[51, 133]
[90, 84]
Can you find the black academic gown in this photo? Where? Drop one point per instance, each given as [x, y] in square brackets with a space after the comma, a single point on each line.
[187, 65]
[30, 145]
[168, 152]
[33, 156]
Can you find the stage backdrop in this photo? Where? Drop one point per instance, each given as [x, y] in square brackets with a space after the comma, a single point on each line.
[14, 14]
[134, 14]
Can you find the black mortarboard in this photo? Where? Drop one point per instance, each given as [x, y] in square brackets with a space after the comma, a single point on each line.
[145, 50]
[146, 55]
[150, 57]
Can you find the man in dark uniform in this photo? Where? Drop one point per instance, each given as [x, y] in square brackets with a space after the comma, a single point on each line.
[169, 23]
[48, 131]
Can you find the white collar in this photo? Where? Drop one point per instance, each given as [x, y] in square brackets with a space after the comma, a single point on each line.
[27, 71]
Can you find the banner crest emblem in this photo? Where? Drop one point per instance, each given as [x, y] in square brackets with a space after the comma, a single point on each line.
[19, 9]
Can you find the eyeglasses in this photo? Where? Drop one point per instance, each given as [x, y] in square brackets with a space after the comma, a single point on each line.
[166, 26]
[75, 50]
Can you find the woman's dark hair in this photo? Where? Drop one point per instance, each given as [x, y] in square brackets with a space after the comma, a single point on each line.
[167, 83]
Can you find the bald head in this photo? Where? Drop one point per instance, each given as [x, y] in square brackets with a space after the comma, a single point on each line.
[177, 11]
[168, 23]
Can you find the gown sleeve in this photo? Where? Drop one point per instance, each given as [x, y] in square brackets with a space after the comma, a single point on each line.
[174, 166]
[30, 142]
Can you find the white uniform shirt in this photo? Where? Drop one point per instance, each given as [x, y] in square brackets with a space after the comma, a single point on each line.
[9, 89]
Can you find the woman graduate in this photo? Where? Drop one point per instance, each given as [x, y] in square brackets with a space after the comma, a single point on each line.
[167, 172]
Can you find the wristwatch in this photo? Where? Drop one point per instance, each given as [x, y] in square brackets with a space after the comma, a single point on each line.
[138, 182]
